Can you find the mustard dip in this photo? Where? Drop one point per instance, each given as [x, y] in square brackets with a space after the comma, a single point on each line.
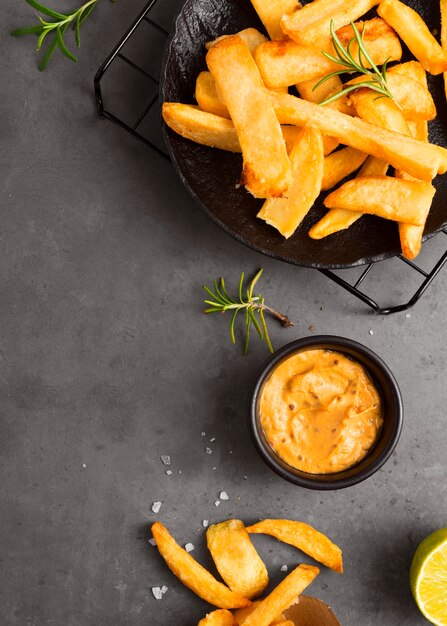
[320, 411]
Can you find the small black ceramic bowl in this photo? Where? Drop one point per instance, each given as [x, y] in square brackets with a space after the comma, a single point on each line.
[385, 382]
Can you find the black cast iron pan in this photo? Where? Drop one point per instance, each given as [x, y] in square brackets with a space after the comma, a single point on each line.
[212, 176]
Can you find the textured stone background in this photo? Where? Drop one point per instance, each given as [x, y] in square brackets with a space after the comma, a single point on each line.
[107, 362]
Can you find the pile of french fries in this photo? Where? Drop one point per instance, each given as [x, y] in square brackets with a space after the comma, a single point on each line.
[293, 147]
[244, 574]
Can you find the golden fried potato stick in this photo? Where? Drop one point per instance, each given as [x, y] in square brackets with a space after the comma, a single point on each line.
[211, 130]
[221, 617]
[266, 171]
[325, 90]
[312, 23]
[252, 37]
[406, 201]
[242, 614]
[415, 33]
[444, 35]
[303, 537]
[207, 97]
[340, 219]
[282, 597]
[411, 236]
[287, 622]
[270, 13]
[411, 69]
[307, 159]
[382, 112]
[286, 63]
[414, 100]
[236, 558]
[340, 164]
[192, 574]
[421, 160]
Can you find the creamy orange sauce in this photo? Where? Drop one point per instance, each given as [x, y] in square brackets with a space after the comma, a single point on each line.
[320, 411]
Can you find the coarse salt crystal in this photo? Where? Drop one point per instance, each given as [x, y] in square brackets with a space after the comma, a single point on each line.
[224, 495]
[371, 332]
[84, 465]
[408, 315]
[202, 434]
[212, 439]
[214, 468]
[165, 459]
[189, 547]
[157, 592]
[156, 506]
[208, 451]
[168, 472]
[245, 477]
[205, 523]
[284, 568]
[164, 589]
[152, 542]
[217, 503]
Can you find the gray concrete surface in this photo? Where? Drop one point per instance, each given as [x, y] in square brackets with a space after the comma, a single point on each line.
[107, 363]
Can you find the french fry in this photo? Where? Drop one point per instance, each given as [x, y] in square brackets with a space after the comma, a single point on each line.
[340, 219]
[286, 63]
[329, 88]
[211, 130]
[311, 24]
[444, 35]
[382, 112]
[266, 171]
[287, 622]
[221, 617]
[414, 100]
[206, 96]
[192, 574]
[283, 596]
[270, 13]
[252, 37]
[242, 614]
[307, 160]
[340, 164]
[411, 69]
[421, 160]
[236, 558]
[415, 33]
[303, 537]
[399, 200]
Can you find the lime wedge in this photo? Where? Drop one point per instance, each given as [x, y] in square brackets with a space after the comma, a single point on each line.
[428, 577]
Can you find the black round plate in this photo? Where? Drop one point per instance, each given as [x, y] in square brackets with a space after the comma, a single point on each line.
[212, 176]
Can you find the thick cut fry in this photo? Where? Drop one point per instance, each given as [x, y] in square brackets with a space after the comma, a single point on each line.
[307, 159]
[266, 171]
[221, 617]
[283, 596]
[192, 574]
[216, 132]
[421, 160]
[340, 164]
[340, 219]
[242, 614]
[252, 37]
[444, 35]
[236, 558]
[325, 90]
[311, 24]
[412, 29]
[410, 69]
[414, 100]
[303, 537]
[285, 63]
[270, 13]
[399, 200]
[287, 622]
[206, 95]
[382, 112]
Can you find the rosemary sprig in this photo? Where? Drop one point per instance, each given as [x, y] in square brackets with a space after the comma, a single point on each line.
[376, 79]
[247, 303]
[55, 28]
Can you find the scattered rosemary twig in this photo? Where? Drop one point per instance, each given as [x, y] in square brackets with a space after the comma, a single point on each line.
[376, 79]
[55, 27]
[245, 302]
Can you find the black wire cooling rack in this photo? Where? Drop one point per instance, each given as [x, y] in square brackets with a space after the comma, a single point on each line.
[128, 81]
